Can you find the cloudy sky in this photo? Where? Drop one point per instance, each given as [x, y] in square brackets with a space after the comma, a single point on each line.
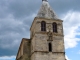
[16, 17]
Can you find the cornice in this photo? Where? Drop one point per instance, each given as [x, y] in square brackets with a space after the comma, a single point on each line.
[48, 19]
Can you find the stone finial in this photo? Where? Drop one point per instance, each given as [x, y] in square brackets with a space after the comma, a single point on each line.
[44, 0]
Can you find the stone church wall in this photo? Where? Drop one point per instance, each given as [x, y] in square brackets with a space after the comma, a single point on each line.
[48, 56]
[24, 51]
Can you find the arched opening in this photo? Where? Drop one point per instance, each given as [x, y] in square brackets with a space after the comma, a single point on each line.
[54, 27]
[50, 47]
[43, 26]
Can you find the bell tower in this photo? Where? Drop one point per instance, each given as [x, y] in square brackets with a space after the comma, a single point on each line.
[47, 38]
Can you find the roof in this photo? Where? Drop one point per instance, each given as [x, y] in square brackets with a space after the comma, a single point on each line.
[46, 11]
[22, 41]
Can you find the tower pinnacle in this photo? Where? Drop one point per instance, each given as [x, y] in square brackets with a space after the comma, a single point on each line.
[46, 11]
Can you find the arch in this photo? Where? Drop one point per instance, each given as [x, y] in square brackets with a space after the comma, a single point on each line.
[54, 27]
[43, 26]
[50, 47]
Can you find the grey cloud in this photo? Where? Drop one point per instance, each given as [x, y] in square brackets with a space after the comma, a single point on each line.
[23, 8]
[62, 6]
[11, 33]
[8, 52]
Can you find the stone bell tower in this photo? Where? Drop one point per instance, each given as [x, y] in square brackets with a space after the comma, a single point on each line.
[46, 37]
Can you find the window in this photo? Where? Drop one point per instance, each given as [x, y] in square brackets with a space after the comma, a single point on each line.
[54, 27]
[50, 47]
[43, 26]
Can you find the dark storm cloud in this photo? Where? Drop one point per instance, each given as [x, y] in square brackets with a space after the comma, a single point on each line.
[8, 52]
[63, 6]
[23, 8]
[3, 8]
[16, 17]
[11, 34]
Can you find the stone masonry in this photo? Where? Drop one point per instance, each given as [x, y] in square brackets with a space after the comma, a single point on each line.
[37, 47]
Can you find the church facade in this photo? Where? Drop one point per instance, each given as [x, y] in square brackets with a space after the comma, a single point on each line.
[46, 37]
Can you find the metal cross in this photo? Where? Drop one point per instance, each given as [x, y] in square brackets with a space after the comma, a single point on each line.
[44, 0]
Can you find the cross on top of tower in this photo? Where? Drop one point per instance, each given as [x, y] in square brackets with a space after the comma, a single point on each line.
[44, 0]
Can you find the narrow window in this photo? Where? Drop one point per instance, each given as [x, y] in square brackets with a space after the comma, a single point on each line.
[50, 47]
[54, 27]
[43, 26]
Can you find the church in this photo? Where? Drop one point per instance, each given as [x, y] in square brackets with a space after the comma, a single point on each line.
[46, 37]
